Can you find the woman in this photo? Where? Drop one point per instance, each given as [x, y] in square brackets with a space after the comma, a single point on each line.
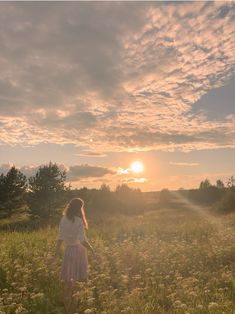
[74, 265]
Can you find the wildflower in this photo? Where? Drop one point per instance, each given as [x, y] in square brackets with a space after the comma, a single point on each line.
[13, 284]
[39, 295]
[137, 277]
[177, 303]
[192, 294]
[124, 278]
[21, 309]
[90, 301]
[212, 305]
[200, 307]
[183, 306]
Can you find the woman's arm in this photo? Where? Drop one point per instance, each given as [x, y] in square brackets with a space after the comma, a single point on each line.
[88, 246]
[83, 238]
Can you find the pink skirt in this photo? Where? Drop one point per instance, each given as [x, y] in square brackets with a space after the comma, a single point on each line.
[75, 264]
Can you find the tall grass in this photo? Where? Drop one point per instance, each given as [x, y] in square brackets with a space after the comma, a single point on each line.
[165, 261]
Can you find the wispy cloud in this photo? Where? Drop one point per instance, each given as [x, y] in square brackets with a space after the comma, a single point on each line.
[134, 180]
[90, 154]
[123, 171]
[187, 164]
[114, 76]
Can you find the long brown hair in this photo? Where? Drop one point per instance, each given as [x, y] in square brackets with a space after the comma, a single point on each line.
[76, 208]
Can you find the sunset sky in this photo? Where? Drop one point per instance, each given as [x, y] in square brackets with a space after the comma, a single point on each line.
[95, 86]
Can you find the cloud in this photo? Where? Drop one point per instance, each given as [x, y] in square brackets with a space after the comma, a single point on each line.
[91, 154]
[29, 170]
[86, 171]
[125, 75]
[134, 180]
[123, 171]
[187, 164]
[73, 173]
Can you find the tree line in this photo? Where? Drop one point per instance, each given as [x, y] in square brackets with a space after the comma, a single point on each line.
[43, 194]
[220, 196]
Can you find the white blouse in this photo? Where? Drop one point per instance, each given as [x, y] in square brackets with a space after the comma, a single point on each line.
[71, 232]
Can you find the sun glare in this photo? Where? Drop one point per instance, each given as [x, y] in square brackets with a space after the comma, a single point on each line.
[137, 167]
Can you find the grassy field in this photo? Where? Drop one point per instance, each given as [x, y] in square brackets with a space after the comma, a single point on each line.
[165, 261]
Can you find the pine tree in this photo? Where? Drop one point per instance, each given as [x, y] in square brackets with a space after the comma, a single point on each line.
[13, 187]
[47, 190]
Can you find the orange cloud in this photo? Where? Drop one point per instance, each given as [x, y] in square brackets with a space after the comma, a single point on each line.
[128, 83]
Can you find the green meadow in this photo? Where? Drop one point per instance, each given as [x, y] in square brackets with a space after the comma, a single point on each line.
[163, 261]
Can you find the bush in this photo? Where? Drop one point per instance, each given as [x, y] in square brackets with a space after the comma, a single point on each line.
[227, 203]
[165, 198]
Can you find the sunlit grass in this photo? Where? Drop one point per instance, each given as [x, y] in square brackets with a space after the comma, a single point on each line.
[168, 261]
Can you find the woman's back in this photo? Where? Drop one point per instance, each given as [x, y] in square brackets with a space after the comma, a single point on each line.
[70, 231]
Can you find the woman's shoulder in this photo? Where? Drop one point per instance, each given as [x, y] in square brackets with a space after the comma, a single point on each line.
[64, 219]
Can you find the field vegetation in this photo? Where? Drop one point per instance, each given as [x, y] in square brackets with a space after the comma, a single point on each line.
[162, 261]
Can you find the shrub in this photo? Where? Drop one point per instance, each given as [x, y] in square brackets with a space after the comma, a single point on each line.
[227, 203]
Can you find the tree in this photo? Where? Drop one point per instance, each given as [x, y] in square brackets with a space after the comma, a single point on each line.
[123, 191]
[102, 200]
[47, 190]
[13, 187]
[227, 203]
[105, 194]
[231, 182]
[205, 184]
[165, 198]
[105, 188]
[130, 200]
[220, 184]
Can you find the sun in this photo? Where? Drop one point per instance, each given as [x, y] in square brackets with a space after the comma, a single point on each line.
[137, 167]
